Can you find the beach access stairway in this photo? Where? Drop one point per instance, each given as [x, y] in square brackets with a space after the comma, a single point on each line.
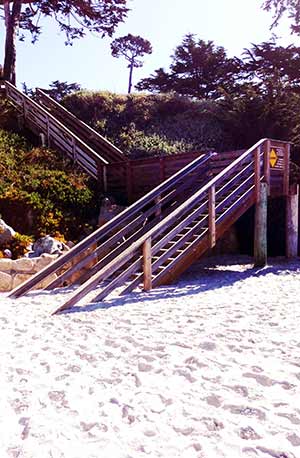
[157, 238]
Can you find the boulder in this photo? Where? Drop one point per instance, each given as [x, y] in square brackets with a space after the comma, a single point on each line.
[47, 245]
[108, 210]
[5, 282]
[6, 232]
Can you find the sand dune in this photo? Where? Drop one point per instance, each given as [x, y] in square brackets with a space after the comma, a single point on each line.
[206, 368]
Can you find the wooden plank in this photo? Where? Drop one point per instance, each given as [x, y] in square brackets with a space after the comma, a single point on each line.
[147, 268]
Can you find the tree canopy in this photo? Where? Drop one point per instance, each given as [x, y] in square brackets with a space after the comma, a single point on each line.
[272, 68]
[74, 18]
[283, 7]
[132, 47]
[199, 69]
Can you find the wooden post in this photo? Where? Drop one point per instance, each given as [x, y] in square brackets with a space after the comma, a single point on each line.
[43, 140]
[257, 173]
[286, 174]
[104, 178]
[147, 267]
[267, 163]
[260, 230]
[74, 152]
[48, 131]
[212, 216]
[292, 210]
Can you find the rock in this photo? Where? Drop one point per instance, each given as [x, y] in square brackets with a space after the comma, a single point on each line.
[108, 210]
[44, 283]
[23, 265]
[20, 278]
[6, 232]
[44, 260]
[48, 245]
[5, 282]
[6, 265]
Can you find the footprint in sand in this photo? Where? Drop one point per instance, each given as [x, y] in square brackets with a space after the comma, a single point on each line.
[260, 378]
[246, 411]
[248, 433]
[294, 440]
[240, 389]
[209, 346]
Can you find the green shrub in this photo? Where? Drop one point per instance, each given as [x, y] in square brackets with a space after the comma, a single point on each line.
[19, 245]
[148, 125]
[41, 193]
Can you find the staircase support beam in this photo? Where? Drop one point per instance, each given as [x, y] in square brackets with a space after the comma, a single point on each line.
[260, 230]
[292, 211]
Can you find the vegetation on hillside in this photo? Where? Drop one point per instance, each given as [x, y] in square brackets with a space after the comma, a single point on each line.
[43, 193]
[191, 107]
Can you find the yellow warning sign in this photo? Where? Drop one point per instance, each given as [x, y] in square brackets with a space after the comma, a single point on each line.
[273, 158]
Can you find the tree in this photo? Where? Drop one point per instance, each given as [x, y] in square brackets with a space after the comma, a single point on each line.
[274, 70]
[74, 18]
[282, 7]
[60, 89]
[199, 69]
[131, 47]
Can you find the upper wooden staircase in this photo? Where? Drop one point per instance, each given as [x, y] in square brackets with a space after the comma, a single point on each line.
[88, 135]
[158, 237]
[63, 131]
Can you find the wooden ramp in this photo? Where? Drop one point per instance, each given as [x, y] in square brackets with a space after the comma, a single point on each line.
[156, 239]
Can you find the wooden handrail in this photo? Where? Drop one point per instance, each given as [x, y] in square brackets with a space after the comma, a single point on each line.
[91, 133]
[40, 109]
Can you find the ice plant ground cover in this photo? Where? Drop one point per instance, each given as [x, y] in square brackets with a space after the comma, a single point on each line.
[206, 368]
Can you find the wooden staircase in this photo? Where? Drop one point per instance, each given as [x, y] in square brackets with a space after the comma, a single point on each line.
[88, 135]
[64, 132]
[157, 238]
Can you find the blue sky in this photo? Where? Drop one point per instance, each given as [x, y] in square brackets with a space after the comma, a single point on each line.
[233, 24]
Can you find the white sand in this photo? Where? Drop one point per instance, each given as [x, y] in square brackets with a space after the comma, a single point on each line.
[207, 368]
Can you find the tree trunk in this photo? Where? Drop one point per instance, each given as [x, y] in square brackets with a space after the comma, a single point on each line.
[130, 77]
[11, 23]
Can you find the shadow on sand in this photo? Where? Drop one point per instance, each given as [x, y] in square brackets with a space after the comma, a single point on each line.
[206, 275]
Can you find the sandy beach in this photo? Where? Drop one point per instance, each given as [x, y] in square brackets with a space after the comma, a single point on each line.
[206, 368]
